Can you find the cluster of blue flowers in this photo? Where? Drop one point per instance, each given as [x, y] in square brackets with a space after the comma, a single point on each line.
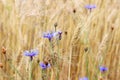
[34, 52]
[58, 35]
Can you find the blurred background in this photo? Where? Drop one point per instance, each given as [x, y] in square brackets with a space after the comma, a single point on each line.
[90, 38]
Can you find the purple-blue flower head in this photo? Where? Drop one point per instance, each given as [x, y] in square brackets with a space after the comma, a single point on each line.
[84, 78]
[103, 69]
[90, 6]
[58, 34]
[31, 53]
[44, 66]
[51, 35]
[48, 35]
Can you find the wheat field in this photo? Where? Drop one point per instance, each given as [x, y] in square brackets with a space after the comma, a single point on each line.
[90, 38]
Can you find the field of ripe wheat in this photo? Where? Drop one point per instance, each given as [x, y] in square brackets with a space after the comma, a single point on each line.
[59, 39]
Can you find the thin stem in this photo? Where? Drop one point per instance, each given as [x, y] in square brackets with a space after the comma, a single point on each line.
[55, 29]
[52, 52]
[30, 73]
[58, 60]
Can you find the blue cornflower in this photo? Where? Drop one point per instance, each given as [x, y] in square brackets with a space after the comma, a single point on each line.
[51, 35]
[44, 65]
[58, 34]
[90, 6]
[31, 53]
[48, 35]
[103, 69]
[84, 78]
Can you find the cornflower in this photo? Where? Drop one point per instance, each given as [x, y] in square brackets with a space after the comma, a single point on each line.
[90, 7]
[48, 35]
[103, 69]
[44, 65]
[84, 78]
[31, 53]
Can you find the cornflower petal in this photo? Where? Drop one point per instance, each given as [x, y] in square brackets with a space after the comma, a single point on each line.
[90, 6]
[84, 78]
[103, 69]
[44, 66]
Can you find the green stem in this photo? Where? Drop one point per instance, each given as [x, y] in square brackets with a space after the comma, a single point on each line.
[52, 53]
[30, 73]
[58, 60]
[51, 46]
